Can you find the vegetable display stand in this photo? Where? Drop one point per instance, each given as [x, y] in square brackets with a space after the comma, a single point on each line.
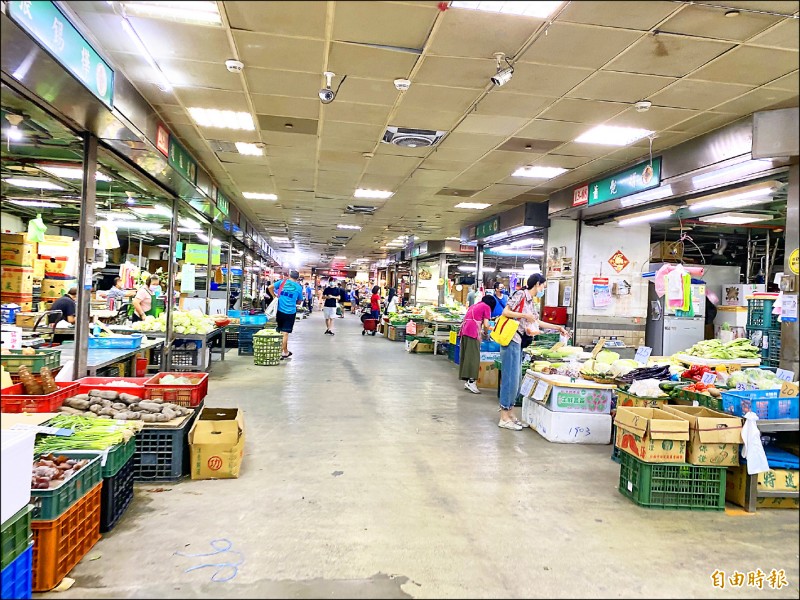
[12, 360]
[59, 545]
[17, 577]
[136, 387]
[162, 450]
[116, 496]
[16, 535]
[14, 400]
[52, 503]
[671, 486]
[188, 395]
[267, 349]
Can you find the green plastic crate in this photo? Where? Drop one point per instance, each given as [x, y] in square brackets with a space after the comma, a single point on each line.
[16, 534]
[759, 314]
[51, 504]
[117, 456]
[43, 358]
[671, 486]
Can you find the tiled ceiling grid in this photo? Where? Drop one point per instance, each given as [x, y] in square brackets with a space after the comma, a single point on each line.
[699, 68]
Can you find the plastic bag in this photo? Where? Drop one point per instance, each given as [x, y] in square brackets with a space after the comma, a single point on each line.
[36, 229]
[753, 451]
[65, 374]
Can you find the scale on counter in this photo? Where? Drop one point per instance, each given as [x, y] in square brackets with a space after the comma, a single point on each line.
[614, 343]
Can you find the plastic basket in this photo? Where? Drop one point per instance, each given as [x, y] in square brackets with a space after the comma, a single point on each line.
[8, 314]
[162, 454]
[767, 404]
[247, 332]
[253, 320]
[51, 504]
[232, 336]
[12, 360]
[59, 545]
[267, 350]
[189, 395]
[14, 400]
[87, 384]
[116, 496]
[759, 314]
[671, 486]
[129, 342]
[17, 577]
[774, 350]
[116, 456]
[16, 535]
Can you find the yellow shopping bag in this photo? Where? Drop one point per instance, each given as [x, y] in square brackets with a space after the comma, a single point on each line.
[504, 330]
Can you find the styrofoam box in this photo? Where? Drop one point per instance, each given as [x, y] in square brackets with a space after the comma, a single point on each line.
[16, 458]
[566, 428]
[735, 294]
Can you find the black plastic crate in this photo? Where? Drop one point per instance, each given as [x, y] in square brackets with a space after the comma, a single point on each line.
[163, 454]
[115, 496]
[185, 358]
[245, 348]
[232, 337]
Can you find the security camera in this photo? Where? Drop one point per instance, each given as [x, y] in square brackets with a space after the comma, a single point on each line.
[234, 66]
[326, 94]
[503, 75]
[402, 84]
[643, 105]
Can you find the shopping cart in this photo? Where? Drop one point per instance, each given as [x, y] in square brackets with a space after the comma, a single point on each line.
[370, 324]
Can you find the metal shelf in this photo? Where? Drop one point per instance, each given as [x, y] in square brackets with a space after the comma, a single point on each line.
[777, 494]
[779, 425]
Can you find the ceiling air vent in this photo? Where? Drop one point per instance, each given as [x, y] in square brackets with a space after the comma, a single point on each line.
[412, 138]
[353, 209]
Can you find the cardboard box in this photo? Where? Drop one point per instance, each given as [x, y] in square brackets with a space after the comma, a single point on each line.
[665, 251]
[16, 254]
[735, 294]
[774, 480]
[579, 400]
[651, 434]
[53, 289]
[16, 280]
[489, 356]
[216, 443]
[488, 376]
[566, 428]
[28, 319]
[714, 437]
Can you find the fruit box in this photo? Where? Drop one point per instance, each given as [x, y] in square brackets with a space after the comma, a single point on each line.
[714, 437]
[651, 434]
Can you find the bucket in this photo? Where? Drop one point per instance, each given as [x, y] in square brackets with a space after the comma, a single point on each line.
[141, 367]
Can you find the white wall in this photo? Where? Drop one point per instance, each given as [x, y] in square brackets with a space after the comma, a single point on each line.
[11, 223]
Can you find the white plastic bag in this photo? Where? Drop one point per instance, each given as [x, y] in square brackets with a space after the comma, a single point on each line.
[753, 451]
[65, 374]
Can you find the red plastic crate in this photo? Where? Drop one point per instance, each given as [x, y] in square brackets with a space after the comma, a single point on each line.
[60, 544]
[87, 384]
[14, 399]
[182, 395]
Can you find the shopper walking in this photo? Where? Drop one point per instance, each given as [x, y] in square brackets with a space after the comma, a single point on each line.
[309, 295]
[476, 321]
[342, 299]
[391, 302]
[331, 297]
[289, 293]
[471, 296]
[375, 303]
[502, 299]
[521, 308]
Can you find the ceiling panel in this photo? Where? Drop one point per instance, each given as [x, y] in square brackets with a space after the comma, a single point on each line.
[283, 83]
[369, 63]
[186, 42]
[459, 154]
[569, 156]
[783, 35]
[471, 140]
[698, 95]
[508, 160]
[756, 100]
[422, 118]
[383, 23]
[208, 98]
[357, 131]
[292, 140]
[346, 144]
[574, 45]
[392, 150]
[305, 19]
[381, 181]
[655, 119]
[585, 111]
[668, 55]
[489, 124]
[789, 82]
[392, 165]
[430, 178]
[749, 65]
[456, 72]
[543, 129]
[705, 122]
[640, 14]
[306, 108]
[446, 99]
[367, 91]
[543, 80]
[513, 105]
[619, 87]
[476, 34]
[704, 21]
[369, 114]
[277, 52]
[183, 73]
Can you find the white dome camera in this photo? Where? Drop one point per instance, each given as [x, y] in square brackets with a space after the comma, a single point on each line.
[326, 94]
[234, 66]
[402, 84]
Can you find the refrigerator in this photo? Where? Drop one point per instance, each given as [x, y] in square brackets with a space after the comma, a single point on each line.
[667, 333]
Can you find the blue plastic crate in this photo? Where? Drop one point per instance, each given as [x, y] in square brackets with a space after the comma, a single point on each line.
[235, 314]
[17, 577]
[767, 404]
[253, 320]
[490, 346]
[130, 342]
[8, 314]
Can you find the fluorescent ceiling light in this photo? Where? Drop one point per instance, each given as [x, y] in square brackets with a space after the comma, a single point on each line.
[115, 215]
[130, 225]
[540, 9]
[163, 82]
[198, 13]
[71, 172]
[611, 135]
[374, 194]
[34, 203]
[740, 200]
[14, 132]
[340, 257]
[734, 218]
[453, 239]
[532, 267]
[222, 119]
[340, 226]
[538, 172]
[151, 211]
[528, 242]
[190, 230]
[642, 197]
[249, 149]
[646, 217]
[729, 173]
[188, 223]
[472, 205]
[280, 240]
[467, 268]
[37, 184]
[259, 196]
[202, 237]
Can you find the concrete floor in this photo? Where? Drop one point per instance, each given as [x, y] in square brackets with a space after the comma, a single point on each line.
[371, 473]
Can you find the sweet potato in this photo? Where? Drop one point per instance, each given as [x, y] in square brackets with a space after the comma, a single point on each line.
[169, 414]
[110, 412]
[161, 418]
[149, 417]
[150, 406]
[120, 406]
[128, 398]
[96, 408]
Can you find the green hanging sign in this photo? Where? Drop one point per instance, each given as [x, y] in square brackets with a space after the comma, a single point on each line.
[50, 27]
[180, 160]
[197, 254]
[644, 176]
[487, 228]
[223, 204]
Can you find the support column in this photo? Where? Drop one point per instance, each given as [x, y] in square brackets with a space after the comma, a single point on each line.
[412, 294]
[442, 276]
[85, 254]
[228, 275]
[479, 268]
[169, 302]
[208, 268]
[789, 331]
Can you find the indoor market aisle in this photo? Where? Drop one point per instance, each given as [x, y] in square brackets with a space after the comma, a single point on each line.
[372, 473]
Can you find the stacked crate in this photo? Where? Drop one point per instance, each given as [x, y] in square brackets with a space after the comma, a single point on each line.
[17, 257]
[15, 531]
[761, 323]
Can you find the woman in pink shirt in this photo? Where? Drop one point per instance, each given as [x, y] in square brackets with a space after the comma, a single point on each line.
[477, 318]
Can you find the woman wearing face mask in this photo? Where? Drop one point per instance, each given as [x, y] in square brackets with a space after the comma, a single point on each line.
[520, 307]
[143, 300]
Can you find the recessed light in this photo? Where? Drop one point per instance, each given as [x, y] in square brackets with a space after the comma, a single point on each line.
[540, 9]
[732, 13]
[259, 196]
[374, 194]
[539, 172]
[472, 205]
[222, 119]
[611, 135]
[249, 149]
[340, 226]
[37, 184]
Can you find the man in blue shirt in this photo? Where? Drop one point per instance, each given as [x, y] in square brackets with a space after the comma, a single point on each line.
[289, 293]
[501, 296]
[309, 295]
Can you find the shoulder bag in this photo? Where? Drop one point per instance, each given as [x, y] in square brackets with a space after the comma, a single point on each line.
[505, 328]
[272, 307]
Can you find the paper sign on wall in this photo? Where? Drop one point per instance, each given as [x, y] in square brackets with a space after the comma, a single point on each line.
[601, 292]
[789, 308]
[618, 261]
